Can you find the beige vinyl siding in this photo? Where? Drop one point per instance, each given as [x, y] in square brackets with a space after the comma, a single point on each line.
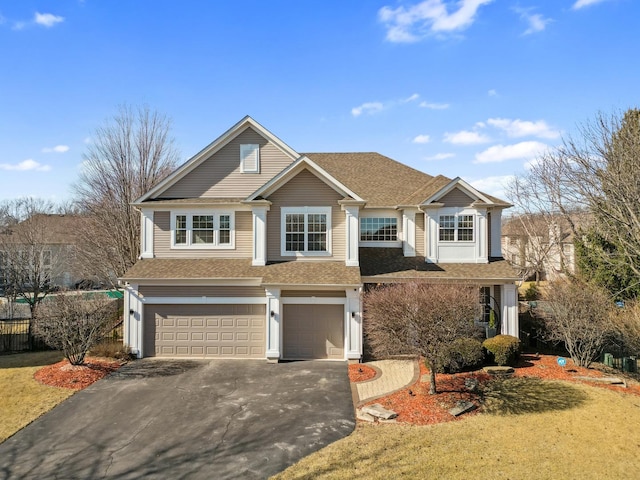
[314, 293]
[305, 190]
[200, 291]
[219, 175]
[162, 239]
[420, 234]
[456, 198]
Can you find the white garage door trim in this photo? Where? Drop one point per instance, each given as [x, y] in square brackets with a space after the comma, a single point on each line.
[204, 300]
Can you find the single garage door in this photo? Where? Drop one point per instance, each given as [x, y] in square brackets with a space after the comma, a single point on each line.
[313, 331]
[206, 331]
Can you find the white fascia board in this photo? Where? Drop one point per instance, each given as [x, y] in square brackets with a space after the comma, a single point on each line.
[292, 170]
[212, 148]
[457, 182]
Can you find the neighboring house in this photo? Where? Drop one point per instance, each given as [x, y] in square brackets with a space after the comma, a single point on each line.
[41, 248]
[253, 250]
[539, 247]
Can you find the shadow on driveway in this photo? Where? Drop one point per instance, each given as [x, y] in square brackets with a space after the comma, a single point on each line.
[187, 419]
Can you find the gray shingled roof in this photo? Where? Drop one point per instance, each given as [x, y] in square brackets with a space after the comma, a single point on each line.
[380, 264]
[284, 273]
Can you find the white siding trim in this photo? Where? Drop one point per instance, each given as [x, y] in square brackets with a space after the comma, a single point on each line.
[510, 323]
[274, 334]
[146, 233]
[353, 325]
[352, 235]
[132, 327]
[259, 236]
[409, 232]
[313, 300]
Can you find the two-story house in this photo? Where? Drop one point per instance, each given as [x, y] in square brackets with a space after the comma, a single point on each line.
[253, 250]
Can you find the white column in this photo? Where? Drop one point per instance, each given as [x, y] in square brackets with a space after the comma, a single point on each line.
[409, 232]
[132, 325]
[259, 235]
[431, 235]
[274, 330]
[510, 323]
[146, 233]
[481, 236]
[351, 235]
[353, 323]
[496, 233]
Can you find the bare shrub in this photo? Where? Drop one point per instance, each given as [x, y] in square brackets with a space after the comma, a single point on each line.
[579, 314]
[74, 324]
[420, 318]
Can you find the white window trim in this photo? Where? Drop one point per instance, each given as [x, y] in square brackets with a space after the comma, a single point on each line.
[216, 230]
[247, 149]
[284, 211]
[455, 228]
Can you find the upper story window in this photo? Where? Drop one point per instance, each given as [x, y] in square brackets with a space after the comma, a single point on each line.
[378, 229]
[250, 158]
[306, 231]
[202, 230]
[456, 228]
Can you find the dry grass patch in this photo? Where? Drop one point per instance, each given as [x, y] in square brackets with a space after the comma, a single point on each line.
[538, 430]
[22, 398]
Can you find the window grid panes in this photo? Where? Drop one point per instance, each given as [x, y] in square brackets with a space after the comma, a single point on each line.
[447, 228]
[181, 230]
[225, 229]
[294, 233]
[378, 229]
[465, 228]
[202, 229]
[306, 232]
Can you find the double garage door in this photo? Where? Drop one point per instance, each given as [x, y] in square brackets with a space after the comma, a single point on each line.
[239, 331]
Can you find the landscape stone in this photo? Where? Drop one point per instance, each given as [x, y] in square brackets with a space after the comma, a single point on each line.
[607, 380]
[462, 407]
[360, 415]
[379, 411]
[498, 370]
[471, 384]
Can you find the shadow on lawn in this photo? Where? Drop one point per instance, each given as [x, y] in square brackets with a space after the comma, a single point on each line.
[30, 359]
[516, 396]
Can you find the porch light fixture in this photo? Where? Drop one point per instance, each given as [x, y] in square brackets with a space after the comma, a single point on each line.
[273, 314]
[353, 314]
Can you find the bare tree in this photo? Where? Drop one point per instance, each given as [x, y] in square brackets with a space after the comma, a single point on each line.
[595, 171]
[74, 324]
[130, 154]
[579, 315]
[420, 318]
[29, 262]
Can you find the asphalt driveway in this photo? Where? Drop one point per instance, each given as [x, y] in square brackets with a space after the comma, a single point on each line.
[187, 419]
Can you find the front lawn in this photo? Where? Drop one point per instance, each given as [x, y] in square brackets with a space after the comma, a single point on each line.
[561, 430]
[22, 398]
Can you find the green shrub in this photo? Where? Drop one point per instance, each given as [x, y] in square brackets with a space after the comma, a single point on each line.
[532, 293]
[460, 354]
[505, 349]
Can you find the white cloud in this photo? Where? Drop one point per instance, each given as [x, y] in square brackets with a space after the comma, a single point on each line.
[434, 106]
[492, 93]
[585, 3]
[25, 165]
[368, 107]
[524, 128]
[465, 137]
[501, 153]
[493, 185]
[376, 107]
[56, 149]
[537, 23]
[422, 139]
[440, 156]
[410, 24]
[47, 19]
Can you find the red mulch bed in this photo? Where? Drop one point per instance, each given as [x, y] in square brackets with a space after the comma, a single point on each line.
[359, 372]
[76, 377]
[415, 406]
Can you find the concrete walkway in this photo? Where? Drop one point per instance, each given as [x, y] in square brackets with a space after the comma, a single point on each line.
[394, 375]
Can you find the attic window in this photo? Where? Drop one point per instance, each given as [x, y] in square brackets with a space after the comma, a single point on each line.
[250, 158]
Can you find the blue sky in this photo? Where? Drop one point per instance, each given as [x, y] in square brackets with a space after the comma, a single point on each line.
[470, 88]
